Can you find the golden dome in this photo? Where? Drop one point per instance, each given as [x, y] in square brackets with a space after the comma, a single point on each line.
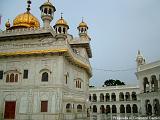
[62, 22]
[83, 24]
[26, 20]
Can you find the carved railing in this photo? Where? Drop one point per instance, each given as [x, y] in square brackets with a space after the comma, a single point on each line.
[25, 31]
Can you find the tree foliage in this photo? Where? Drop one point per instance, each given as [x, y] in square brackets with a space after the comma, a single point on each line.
[112, 82]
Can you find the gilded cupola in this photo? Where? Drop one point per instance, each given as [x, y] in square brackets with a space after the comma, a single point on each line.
[47, 13]
[25, 20]
[82, 28]
[61, 27]
[62, 22]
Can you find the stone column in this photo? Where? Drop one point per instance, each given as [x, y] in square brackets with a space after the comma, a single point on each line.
[98, 108]
[98, 97]
[118, 108]
[117, 96]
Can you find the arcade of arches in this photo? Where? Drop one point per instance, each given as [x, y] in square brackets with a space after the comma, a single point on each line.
[115, 108]
[112, 97]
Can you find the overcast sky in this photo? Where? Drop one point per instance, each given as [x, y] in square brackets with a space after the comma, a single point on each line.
[118, 28]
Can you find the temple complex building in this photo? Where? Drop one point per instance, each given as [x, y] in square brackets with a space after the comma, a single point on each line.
[44, 71]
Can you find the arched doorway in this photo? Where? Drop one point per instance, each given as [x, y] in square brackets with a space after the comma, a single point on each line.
[101, 97]
[94, 109]
[94, 98]
[156, 107]
[121, 96]
[134, 96]
[114, 109]
[148, 107]
[146, 85]
[113, 97]
[135, 108]
[127, 96]
[122, 109]
[68, 107]
[108, 109]
[102, 109]
[128, 108]
[107, 97]
[154, 83]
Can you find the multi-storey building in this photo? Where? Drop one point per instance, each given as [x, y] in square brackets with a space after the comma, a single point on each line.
[44, 71]
[114, 99]
[149, 82]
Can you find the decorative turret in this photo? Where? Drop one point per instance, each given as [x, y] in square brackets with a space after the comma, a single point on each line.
[8, 25]
[47, 13]
[82, 28]
[140, 60]
[61, 27]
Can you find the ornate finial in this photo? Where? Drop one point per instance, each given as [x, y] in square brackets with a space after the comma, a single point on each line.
[29, 4]
[48, 0]
[61, 15]
[82, 19]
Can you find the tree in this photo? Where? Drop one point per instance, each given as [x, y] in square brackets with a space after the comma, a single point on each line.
[112, 82]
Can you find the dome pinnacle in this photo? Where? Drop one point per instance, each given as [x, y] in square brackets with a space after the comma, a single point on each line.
[29, 5]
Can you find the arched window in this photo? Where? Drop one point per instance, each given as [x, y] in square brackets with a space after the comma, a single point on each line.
[94, 98]
[114, 109]
[68, 107]
[64, 30]
[146, 84]
[107, 97]
[127, 96]
[16, 78]
[59, 30]
[50, 11]
[122, 109]
[154, 83]
[148, 107]
[79, 108]
[94, 108]
[121, 96]
[113, 97]
[12, 77]
[102, 109]
[82, 30]
[108, 109]
[128, 108]
[156, 107]
[44, 77]
[134, 96]
[135, 108]
[7, 78]
[101, 97]
[45, 10]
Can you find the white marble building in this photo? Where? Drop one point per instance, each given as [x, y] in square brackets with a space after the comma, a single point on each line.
[148, 75]
[44, 71]
[114, 99]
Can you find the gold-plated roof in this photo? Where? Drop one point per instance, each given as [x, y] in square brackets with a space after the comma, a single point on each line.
[83, 24]
[48, 4]
[26, 20]
[62, 22]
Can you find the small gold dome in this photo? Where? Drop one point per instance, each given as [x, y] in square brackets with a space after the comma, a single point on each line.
[7, 24]
[83, 24]
[26, 20]
[62, 22]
